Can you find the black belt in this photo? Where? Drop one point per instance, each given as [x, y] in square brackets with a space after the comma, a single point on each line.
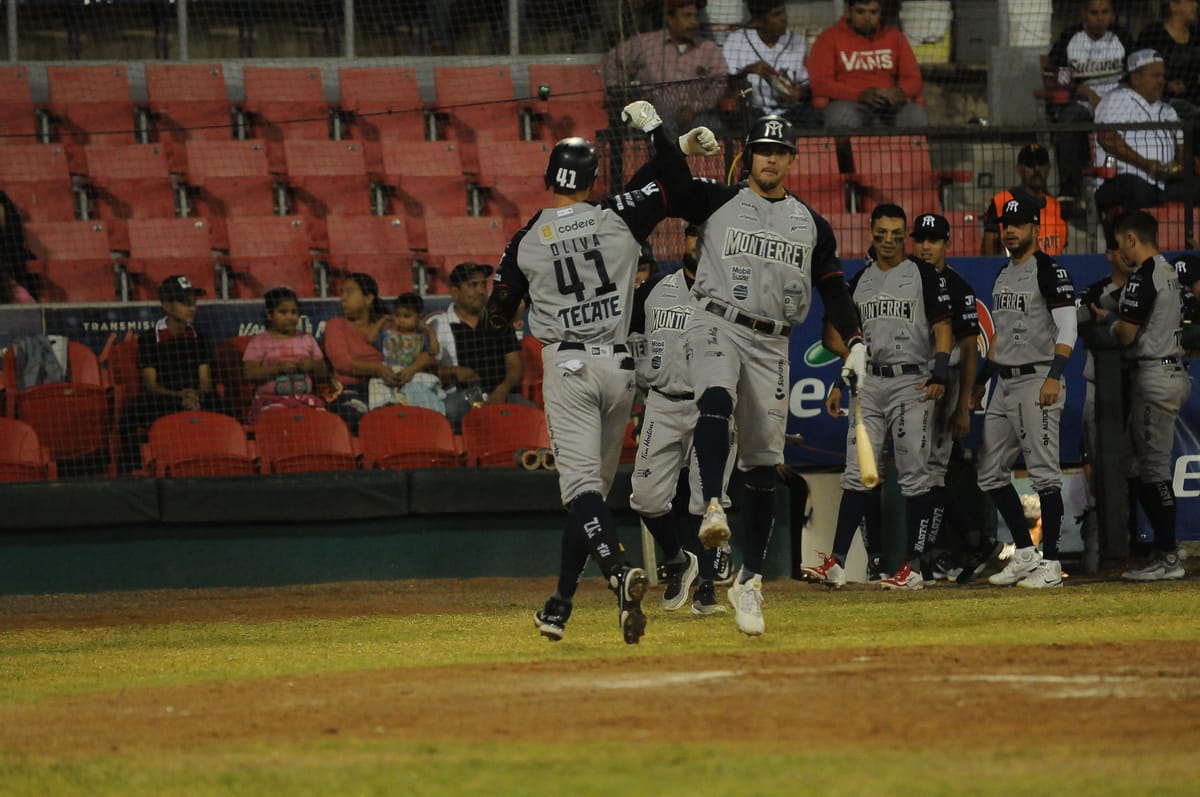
[600, 350]
[895, 370]
[675, 396]
[1159, 360]
[1007, 371]
[762, 325]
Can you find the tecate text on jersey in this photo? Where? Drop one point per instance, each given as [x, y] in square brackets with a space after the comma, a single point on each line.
[590, 312]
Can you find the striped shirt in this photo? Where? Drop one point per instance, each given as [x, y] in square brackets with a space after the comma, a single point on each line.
[1126, 105]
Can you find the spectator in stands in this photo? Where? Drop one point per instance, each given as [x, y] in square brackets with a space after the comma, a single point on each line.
[17, 285]
[1033, 167]
[769, 59]
[352, 346]
[682, 74]
[175, 361]
[476, 366]
[1149, 163]
[647, 266]
[1094, 50]
[865, 72]
[1175, 39]
[286, 361]
[410, 349]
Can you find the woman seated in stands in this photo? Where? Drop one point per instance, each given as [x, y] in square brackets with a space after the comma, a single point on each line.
[287, 362]
[352, 346]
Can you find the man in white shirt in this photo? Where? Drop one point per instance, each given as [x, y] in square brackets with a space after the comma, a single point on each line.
[769, 60]
[1149, 163]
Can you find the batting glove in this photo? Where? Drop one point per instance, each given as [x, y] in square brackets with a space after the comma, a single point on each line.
[699, 141]
[855, 367]
[640, 115]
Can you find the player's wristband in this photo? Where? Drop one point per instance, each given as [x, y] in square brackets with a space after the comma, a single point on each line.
[1057, 367]
[984, 374]
[839, 383]
[941, 368]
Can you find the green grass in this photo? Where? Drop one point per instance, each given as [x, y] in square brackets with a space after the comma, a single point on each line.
[40, 666]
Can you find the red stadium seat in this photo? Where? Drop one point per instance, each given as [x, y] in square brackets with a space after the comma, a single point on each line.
[532, 371]
[159, 248]
[375, 245]
[382, 103]
[229, 178]
[1173, 232]
[427, 180]
[852, 233]
[37, 178]
[327, 177]
[285, 104]
[76, 261]
[454, 240]
[270, 251]
[122, 368]
[575, 106]
[898, 169]
[404, 438]
[189, 101]
[479, 104]
[18, 117]
[23, 458]
[299, 439]
[495, 433]
[198, 443]
[966, 233]
[515, 183]
[130, 181]
[814, 175]
[229, 376]
[91, 105]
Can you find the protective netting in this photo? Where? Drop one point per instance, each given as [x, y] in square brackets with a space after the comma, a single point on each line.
[253, 144]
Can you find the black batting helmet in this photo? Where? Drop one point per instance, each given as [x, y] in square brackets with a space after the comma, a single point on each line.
[772, 129]
[573, 165]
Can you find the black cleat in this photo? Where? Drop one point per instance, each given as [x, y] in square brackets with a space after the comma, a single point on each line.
[551, 619]
[976, 562]
[630, 585]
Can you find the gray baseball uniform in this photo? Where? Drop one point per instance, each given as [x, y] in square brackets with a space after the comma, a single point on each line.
[665, 445]
[1023, 296]
[1159, 382]
[898, 307]
[965, 323]
[1103, 294]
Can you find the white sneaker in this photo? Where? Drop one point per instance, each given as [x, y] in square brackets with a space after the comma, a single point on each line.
[905, 578]
[1047, 574]
[1161, 566]
[1021, 564]
[747, 605]
[714, 528]
[829, 572]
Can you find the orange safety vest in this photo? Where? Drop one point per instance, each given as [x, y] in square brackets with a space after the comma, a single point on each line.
[1052, 232]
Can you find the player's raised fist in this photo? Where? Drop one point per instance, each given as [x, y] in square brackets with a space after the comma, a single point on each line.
[855, 367]
[640, 115]
[699, 141]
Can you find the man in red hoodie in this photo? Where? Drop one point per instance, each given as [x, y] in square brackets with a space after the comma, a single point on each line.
[866, 72]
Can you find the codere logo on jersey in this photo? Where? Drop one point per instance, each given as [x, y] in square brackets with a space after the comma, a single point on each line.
[766, 246]
[886, 307]
[567, 227]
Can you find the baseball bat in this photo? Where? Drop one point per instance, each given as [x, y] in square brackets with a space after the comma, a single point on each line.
[868, 470]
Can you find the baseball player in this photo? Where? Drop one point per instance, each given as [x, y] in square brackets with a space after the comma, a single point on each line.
[1033, 307]
[952, 419]
[1147, 323]
[662, 307]
[576, 261]
[762, 254]
[905, 309]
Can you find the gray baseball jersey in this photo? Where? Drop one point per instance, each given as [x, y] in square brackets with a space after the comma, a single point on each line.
[662, 308]
[965, 323]
[1159, 383]
[1022, 299]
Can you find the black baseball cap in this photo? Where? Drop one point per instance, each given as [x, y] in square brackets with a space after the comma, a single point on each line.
[178, 288]
[1188, 269]
[1017, 212]
[1033, 155]
[464, 271]
[931, 226]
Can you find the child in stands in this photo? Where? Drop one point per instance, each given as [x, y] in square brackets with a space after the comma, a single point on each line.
[410, 350]
[286, 361]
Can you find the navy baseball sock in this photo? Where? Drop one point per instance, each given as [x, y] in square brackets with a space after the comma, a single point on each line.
[662, 529]
[872, 525]
[916, 510]
[573, 559]
[1138, 543]
[1008, 504]
[1052, 512]
[1158, 499]
[711, 439]
[850, 517]
[758, 516]
[594, 519]
[937, 515]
